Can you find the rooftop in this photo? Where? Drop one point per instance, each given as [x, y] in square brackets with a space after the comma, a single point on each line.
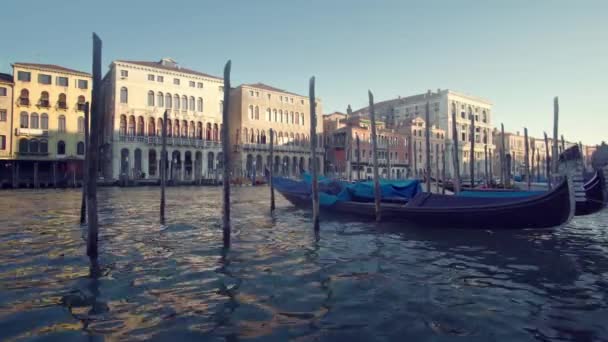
[51, 67]
[169, 65]
[6, 78]
[260, 85]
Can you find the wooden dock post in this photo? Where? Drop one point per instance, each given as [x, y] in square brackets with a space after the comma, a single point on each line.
[485, 161]
[348, 145]
[563, 142]
[443, 168]
[163, 167]
[54, 165]
[437, 168]
[472, 155]
[555, 154]
[85, 171]
[271, 171]
[527, 158]
[377, 194]
[415, 156]
[227, 156]
[36, 175]
[313, 153]
[547, 161]
[427, 111]
[490, 167]
[537, 165]
[503, 169]
[456, 180]
[358, 157]
[96, 102]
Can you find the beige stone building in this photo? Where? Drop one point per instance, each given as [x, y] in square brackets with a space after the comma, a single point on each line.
[136, 94]
[48, 123]
[415, 132]
[6, 116]
[257, 108]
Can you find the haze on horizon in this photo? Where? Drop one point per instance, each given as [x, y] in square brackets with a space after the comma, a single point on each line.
[517, 54]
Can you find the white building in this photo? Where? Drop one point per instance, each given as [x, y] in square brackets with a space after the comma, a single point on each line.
[397, 112]
[135, 96]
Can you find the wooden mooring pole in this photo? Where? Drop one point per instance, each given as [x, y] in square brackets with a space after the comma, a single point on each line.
[358, 157]
[485, 161]
[163, 167]
[427, 135]
[85, 171]
[271, 171]
[96, 102]
[547, 161]
[377, 194]
[227, 156]
[437, 168]
[503, 167]
[443, 168]
[313, 153]
[490, 167]
[555, 154]
[472, 155]
[527, 158]
[455, 152]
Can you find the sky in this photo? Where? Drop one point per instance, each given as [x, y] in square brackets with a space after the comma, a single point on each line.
[517, 54]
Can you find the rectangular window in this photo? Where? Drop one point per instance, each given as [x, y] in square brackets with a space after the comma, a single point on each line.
[257, 94]
[269, 96]
[3, 91]
[150, 77]
[176, 81]
[124, 73]
[44, 79]
[2, 142]
[82, 84]
[61, 81]
[251, 93]
[192, 84]
[24, 76]
[160, 79]
[199, 85]
[2, 114]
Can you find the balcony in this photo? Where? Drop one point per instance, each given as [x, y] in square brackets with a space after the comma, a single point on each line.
[44, 104]
[171, 141]
[278, 148]
[80, 107]
[35, 132]
[24, 101]
[31, 154]
[62, 105]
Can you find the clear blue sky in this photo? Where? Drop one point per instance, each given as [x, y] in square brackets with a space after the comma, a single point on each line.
[518, 54]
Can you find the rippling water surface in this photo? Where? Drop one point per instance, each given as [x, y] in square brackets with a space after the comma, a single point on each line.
[354, 282]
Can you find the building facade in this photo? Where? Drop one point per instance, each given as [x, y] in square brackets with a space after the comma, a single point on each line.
[47, 124]
[136, 94]
[414, 131]
[442, 103]
[346, 161]
[6, 115]
[257, 108]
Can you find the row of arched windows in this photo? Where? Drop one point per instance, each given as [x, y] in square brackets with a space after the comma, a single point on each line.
[281, 138]
[280, 116]
[44, 101]
[133, 126]
[171, 101]
[35, 146]
[41, 121]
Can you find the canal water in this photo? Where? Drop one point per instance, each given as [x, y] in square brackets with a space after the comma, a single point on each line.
[352, 282]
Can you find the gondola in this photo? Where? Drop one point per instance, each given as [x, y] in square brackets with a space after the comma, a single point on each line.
[549, 209]
[594, 196]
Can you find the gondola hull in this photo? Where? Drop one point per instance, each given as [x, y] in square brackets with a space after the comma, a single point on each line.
[543, 211]
[595, 197]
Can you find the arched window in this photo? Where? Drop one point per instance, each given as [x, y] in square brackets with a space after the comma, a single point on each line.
[24, 97]
[34, 120]
[192, 105]
[245, 135]
[81, 103]
[44, 146]
[176, 129]
[184, 102]
[123, 125]
[60, 147]
[151, 127]
[208, 131]
[268, 114]
[23, 145]
[80, 124]
[131, 130]
[151, 98]
[281, 115]
[61, 102]
[199, 130]
[184, 129]
[192, 129]
[44, 121]
[250, 112]
[216, 133]
[199, 105]
[140, 126]
[169, 128]
[274, 111]
[257, 113]
[302, 119]
[61, 123]
[159, 127]
[34, 146]
[124, 95]
[160, 100]
[484, 116]
[297, 118]
[44, 99]
[176, 101]
[168, 100]
[80, 148]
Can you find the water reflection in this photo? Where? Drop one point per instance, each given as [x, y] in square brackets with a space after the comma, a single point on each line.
[280, 280]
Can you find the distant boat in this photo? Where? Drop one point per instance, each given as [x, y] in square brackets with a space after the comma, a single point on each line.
[549, 209]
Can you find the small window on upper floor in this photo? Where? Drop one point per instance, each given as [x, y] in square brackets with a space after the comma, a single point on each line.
[24, 76]
[176, 81]
[82, 84]
[44, 79]
[160, 79]
[199, 85]
[3, 91]
[61, 81]
[2, 114]
[269, 96]
[251, 93]
[257, 94]
[150, 77]
[124, 73]
[302, 101]
[192, 84]
[291, 100]
[221, 88]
